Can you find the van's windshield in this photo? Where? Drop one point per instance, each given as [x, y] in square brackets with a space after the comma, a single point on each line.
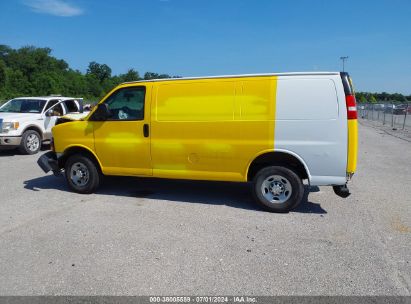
[23, 106]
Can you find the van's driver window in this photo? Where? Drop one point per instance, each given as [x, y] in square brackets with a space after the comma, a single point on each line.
[127, 104]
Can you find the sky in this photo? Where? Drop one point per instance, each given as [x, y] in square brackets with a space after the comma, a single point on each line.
[220, 37]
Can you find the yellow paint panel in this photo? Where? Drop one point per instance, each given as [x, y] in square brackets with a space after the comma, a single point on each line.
[195, 101]
[79, 133]
[122, 148]
[352, 145]
[207, 129]
[256, 99]
[211, 129]
[119, 146]
[257, 102]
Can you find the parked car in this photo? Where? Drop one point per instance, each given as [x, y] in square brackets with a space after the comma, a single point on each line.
[396, 109]
[379, 107]
[26, 122]
[399, 109]
[388, 108]
[272, 130]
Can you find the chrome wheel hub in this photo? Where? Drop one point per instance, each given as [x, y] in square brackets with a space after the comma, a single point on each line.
[33, 142]
[276, 189]
[79, 174]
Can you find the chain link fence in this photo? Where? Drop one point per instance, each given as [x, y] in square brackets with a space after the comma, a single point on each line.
[396, 115]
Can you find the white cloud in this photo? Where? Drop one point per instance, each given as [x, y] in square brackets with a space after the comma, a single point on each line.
[54, 7]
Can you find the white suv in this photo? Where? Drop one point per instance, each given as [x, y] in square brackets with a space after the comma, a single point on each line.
[26, 122]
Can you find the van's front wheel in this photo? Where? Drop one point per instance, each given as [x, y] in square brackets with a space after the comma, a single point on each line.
[277, 189]
[82, 174]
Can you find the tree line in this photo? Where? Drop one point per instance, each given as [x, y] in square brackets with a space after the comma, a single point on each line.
[365, 97]
[32, 71]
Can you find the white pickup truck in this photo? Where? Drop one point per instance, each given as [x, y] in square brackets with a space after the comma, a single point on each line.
[26, 122]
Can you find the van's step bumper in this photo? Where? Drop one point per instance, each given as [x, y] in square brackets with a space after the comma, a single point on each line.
[342, 191]
[48, 162]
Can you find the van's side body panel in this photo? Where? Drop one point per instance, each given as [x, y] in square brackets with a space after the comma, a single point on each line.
[311, 122]
[211, 128]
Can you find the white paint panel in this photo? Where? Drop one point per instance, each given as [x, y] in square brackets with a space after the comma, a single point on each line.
[312, 123]
[306, 99]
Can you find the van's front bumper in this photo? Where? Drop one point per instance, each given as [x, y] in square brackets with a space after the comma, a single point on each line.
[10, 141]
[48, 162]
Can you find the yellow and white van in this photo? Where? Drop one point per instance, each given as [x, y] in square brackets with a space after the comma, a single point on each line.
[274, 130]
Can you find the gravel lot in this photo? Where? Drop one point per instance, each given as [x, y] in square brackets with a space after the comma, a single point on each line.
[151, 237]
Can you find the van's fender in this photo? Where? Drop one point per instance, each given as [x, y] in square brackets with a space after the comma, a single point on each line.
[298, 157]
[79, 148]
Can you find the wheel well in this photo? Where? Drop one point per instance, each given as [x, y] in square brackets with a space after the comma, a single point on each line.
[34, 128]
[277, 159]
[77, 150]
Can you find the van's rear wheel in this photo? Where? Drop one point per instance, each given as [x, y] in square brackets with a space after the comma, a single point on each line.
[278, 189]
[82, 174]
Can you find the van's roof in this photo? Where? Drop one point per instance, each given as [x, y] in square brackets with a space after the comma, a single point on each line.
[240, 75]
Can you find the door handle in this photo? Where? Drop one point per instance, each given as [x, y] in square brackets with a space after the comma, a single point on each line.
[146, 130]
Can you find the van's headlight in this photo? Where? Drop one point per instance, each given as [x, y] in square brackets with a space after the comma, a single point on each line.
[10, 126]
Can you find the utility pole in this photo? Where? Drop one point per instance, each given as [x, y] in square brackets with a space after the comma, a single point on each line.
[344, 58]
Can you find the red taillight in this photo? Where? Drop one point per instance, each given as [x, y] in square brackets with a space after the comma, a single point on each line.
[351, 107]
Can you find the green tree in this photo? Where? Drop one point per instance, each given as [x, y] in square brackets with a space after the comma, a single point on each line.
[93, 86]
[31, 71]
[18, 84]
[131, 75]
[151, 75]
[101, 71]
[397, 97]
[363, 99]
[3, 74]
[45, 84]
[5, 51]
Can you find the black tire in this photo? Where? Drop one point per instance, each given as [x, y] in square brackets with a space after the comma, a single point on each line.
[288, 183]
[89, 180]
[30, 142]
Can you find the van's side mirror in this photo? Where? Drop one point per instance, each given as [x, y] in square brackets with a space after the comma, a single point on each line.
[101, 113]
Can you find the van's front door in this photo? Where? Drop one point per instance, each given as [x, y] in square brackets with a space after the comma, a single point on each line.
[122, 141]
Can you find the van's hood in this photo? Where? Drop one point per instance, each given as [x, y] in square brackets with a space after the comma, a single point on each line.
[19, 116]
